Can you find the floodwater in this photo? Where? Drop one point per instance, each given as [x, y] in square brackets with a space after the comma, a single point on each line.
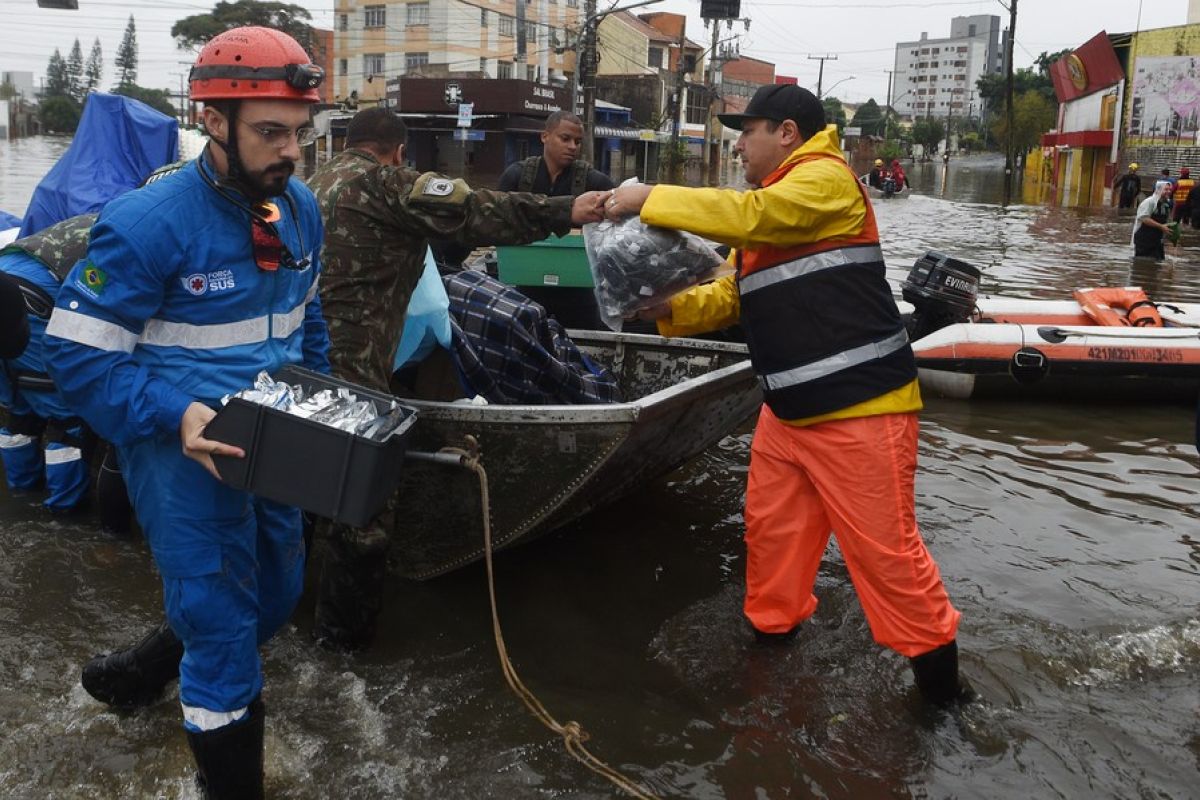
[1069, 537]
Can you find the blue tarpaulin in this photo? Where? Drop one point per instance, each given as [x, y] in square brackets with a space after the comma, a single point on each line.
[8, 220]
[119, 142]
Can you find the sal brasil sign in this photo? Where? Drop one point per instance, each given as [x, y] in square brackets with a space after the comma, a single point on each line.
[485, 95]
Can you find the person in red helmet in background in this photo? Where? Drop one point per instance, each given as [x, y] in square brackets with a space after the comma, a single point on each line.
[191, 287]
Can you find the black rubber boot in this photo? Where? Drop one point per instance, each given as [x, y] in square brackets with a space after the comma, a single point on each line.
[229, 760]
[136, 676]
[350, 595]
[937, 678]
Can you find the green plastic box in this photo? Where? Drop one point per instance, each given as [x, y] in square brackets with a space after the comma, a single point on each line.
[557, 261]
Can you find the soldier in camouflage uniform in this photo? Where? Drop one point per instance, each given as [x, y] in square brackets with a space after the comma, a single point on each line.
[379, 219]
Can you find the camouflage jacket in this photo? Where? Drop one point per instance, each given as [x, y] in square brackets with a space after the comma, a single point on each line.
[378, 222]
[59, 246]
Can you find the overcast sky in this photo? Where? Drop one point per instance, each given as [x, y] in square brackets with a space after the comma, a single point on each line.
[861, 33]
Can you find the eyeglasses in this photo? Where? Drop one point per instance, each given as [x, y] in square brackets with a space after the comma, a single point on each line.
[278, 137]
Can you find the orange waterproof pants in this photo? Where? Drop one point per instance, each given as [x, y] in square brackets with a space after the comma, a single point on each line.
[853, 478]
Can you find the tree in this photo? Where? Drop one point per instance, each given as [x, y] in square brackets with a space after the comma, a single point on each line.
[127, 57]
[890, 150]
[158, 99]
[869, 117]
[194, 31]
[75, 72]
[94, 71]
[927, 132]
[1033, 115]
[59, 114]
[834, 112]
[57, 83]
[991, 87]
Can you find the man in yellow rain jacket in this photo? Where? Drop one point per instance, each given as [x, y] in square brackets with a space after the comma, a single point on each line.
[835, 449]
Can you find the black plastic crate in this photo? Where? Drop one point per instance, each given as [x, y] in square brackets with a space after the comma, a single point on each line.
[298, 462]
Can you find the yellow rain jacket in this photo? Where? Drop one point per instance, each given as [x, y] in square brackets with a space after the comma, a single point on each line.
[816, 201]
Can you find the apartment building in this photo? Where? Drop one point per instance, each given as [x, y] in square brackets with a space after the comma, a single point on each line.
[515, 39]
[937, 77]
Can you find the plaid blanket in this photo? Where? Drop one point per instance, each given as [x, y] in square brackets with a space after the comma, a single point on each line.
[508, 351]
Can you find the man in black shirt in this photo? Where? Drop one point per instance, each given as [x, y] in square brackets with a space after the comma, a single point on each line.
[557, 171]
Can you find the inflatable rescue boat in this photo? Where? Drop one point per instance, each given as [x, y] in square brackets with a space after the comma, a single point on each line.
[1104, 344]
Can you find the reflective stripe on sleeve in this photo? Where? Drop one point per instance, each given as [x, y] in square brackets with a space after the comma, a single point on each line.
[808, 265]
[97, 333]
[835, 363]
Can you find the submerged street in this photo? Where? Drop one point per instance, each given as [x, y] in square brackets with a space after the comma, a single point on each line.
[1066, 536]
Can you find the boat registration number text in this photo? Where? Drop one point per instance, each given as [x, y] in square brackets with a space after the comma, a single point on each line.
[1135, 354]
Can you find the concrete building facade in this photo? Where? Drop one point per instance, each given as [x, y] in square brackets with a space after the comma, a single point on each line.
[509, 39]
[937, 77]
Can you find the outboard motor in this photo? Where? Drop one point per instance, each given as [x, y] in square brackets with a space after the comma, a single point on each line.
[942, 290]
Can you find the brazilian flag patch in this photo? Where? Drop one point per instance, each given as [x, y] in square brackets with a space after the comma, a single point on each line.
[92, 279]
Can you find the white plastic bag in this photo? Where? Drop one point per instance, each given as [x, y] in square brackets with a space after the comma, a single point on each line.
[636, 266]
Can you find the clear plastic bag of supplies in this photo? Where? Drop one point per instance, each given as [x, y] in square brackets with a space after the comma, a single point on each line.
[636, 266]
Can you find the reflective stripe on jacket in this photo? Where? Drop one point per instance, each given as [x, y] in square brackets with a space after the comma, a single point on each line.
[824, 332]
[1182, 188]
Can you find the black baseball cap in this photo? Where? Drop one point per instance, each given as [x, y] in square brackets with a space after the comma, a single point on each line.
[779, 102]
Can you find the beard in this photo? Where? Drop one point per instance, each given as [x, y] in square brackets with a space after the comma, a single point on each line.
[268, 182]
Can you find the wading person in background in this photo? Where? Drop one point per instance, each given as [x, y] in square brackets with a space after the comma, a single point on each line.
[558, 171]
[379, 219]
[1150, 223]
[1180, 195]
[1128, 187]
[835, 448]
[191, 286]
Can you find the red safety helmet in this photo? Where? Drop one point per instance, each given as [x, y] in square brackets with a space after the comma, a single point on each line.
[254, 63]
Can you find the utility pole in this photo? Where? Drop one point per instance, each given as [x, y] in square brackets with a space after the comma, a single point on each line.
[949, 115]
[1008, 99]
[887, 117]
[677, 107]
[711, 154]
[587, 70]
[821, 70]
[587, 59]
[519, 57]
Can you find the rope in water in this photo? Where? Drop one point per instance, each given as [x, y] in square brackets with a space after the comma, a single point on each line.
[572, 733]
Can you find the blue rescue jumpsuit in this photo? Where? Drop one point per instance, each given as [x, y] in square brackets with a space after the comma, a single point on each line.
[30, 451]
[170, 307]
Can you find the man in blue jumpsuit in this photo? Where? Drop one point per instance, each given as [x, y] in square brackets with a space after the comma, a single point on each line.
[43, 442]
[191, 286]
